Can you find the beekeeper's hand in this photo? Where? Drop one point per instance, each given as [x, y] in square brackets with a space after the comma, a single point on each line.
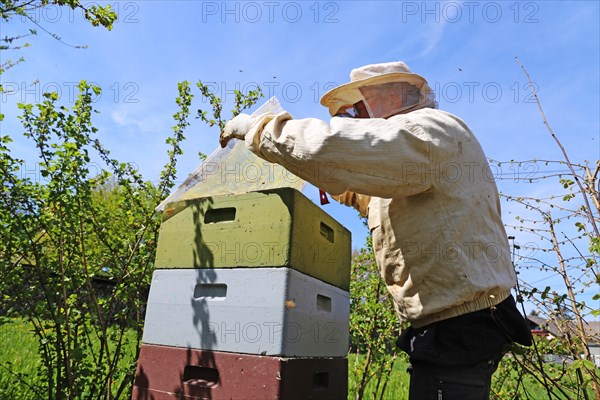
[236, 128]
[346, 198]
[351, 199]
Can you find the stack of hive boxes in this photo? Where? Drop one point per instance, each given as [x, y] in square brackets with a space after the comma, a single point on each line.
[249, 301]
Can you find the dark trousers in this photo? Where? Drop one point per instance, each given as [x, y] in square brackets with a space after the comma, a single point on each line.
[454, 359]
[441, 382]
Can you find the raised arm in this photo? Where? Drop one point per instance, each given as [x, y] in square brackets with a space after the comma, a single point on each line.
[374, 157]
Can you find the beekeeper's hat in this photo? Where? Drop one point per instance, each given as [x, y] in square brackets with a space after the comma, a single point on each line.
[376, 74]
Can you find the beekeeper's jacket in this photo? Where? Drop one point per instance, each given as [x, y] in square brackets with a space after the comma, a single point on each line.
[432, 202]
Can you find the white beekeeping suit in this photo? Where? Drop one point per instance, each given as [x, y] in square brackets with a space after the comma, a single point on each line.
[423, 180]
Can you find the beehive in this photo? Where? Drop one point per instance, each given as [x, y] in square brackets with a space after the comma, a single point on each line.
[268, 311]
[166, 373]
[275, 228]
[249, 300]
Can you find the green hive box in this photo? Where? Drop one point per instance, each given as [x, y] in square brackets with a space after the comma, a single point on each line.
[273, 228]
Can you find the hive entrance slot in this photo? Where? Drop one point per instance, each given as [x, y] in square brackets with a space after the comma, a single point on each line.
[326, 231]
[321, 380]
[216, 215]
[323, 303]
[210, 290]
[200, 376]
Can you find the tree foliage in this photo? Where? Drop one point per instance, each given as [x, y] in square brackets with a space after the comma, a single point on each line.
[77, 247]
[67, 228]
[94, 13]
[374, 328]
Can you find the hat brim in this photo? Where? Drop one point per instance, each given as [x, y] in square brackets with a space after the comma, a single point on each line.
[349, 93]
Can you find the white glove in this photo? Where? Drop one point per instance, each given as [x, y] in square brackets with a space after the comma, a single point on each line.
[236, 128]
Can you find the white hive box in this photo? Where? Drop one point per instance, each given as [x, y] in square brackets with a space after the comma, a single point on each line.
[265, 311]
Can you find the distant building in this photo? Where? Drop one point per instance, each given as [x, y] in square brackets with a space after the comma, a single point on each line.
[549, 330]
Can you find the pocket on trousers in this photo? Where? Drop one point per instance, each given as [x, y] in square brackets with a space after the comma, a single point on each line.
[470, 383]
[461, 391]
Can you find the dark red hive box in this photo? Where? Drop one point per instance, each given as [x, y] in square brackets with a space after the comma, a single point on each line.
[178, 373]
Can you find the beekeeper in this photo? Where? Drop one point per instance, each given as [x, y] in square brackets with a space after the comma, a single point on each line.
[421, 177]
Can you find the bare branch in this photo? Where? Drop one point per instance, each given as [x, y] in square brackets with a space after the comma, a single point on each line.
[565, 155]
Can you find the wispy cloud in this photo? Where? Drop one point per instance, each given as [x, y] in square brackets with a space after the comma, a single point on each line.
[431, 37]
[119, 116]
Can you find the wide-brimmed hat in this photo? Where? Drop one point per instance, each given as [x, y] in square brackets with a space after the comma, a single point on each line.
[368, 75]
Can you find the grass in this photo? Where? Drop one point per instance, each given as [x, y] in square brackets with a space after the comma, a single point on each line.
[19, 359]
[397, 386]
[20, 366]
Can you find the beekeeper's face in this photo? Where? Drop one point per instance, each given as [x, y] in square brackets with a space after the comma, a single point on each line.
[358, 110]
[383, 106]
[381, 101]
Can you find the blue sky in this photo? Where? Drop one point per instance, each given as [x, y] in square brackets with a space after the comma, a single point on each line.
[296, 50]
